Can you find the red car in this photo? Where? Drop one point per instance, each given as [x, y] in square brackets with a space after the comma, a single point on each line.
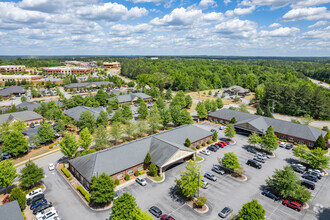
[223, 142]
[166, 217]
[220, 145]
[294, 205]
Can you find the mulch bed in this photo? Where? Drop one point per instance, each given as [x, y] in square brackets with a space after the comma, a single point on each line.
[191, 203]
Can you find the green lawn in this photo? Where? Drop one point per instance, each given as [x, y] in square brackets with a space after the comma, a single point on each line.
[198, 158]
[158, 178]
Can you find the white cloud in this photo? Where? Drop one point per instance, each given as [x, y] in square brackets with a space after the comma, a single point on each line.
[110, 12]
[321, 34]
[318, 24]
[226, 2]
[126, 30]
[207, 3]
[184, 17]
[313, 13]
[280, 32]
[240, 11]
[274, 25]
[236, 28]
[147, 1]
[52, 5]
[307, 3]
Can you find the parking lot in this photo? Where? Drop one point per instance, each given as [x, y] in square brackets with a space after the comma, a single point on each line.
[227, 191]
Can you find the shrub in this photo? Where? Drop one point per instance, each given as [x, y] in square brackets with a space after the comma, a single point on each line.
[208, 142]
[84, 193]
[51, 146]
[203, 144]
[153, 169]
[198, 147]
[142, 172]
[193, 148]
[136, 173]
[211, 141]
[200, 201]
[295, 143]
[66, 172]
[117, 182]
[19, 195]
[127, 177]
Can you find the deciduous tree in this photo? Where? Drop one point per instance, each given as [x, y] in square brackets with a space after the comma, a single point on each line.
[153, 169]
[252, 210]
[101, 138]
[127, 112]
[320, 143]
[87, 120]
[143, 111]
[15, 143]
[7, 173]
[69, 145]
[103, 119]
[230, 161]
[46, 132]
[85, 138]
[230, 131]
[31, 174]
[165, 116]
[201, 110]
[102, 189]
[185, 117]
[219, 103]
[115, 131]
[254, 139]
[19, 195]
[123, 207]
[269, 141]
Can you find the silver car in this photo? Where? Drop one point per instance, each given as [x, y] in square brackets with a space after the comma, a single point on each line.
[210, 176]
[205, 184]
[141, 181]
[225, 212]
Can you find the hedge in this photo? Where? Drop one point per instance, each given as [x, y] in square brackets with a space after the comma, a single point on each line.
[127, 177]
[84, 193]
[117, 181]
[136, 173]
[142, 172]
[198, 147]
[66, 172]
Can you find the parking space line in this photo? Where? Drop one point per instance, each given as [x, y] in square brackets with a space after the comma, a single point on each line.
[177, 209]
[274, 210]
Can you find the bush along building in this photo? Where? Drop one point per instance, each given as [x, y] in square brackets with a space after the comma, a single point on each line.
[292, 132]
[166, 150]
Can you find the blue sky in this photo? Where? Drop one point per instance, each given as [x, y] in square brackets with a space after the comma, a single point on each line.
[165, 27]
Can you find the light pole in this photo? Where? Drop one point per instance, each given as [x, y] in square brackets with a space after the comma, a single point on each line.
[198, 183]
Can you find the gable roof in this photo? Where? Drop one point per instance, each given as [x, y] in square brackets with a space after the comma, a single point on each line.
[75, 112]
[30, 105]
[280, 126]
[24, 115]
[12, 90]
[162, 147]
[11, 211]
[130, 97]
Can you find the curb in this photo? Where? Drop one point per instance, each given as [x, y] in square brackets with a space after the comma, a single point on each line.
[244, 180]
[157, 181]
[201, 160]
[200, 212]
[128, 183]
[37, 157]
[305, 206]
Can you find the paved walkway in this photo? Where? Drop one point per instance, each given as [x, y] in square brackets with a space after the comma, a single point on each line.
[37, 157]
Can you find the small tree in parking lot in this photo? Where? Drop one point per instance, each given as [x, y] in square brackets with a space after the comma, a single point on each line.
[230, 161]
[254, 139]
[230, 131]
[269, 141]
[215, 136]
[252, 210]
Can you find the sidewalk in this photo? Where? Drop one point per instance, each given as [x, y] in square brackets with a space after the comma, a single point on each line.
[37, 157]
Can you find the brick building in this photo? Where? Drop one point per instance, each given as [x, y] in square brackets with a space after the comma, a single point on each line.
[292, 132]
[12, 69]
[111, 65]
[166, 149]
[64, 70]
[132, 98]
[19, 78]
[27, 116]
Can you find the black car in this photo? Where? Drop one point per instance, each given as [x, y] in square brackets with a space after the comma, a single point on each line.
[155, 211]
[38, 203]
[307, 184]
[254, 163]
[289, 146]
[216, 146]
[36, 198]
[271, 195]
[298, 168]
[310, 177]
[252, 150]
[41, 208]
[212, 148]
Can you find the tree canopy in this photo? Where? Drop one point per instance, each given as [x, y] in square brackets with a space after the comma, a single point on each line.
[31, 174]
[7, 173]
[252, 210]
[69, 145]
[102, 189]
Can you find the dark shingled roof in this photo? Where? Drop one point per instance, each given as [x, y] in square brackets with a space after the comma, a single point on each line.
[130, 97]
[11, 211]
[24, 115]
[30, 105]
[162, 147]
[75, 112]
[12, 90]
[261, 123]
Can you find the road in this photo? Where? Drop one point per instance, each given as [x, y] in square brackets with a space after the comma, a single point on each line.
[320, 83]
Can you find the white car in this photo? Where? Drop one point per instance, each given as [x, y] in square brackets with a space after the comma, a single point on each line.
[33, 193]
[316, 171]
[221, 127]
[261, 155]
[141, 181]
[51, 167]
[205, 152]
[282, 144]
[47, 214]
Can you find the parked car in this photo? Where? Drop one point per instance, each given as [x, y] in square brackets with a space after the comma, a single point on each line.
[43, 212]
[141, 181]
[51, 167]
[166, 217]
[42, 207]
[317, 174]
[254, 163]
[289, 146]
[210, 176]
[205, 184]
[6, 155]
[220, 145]
[251, 150]
[294, 205]
[259, 159]
[212, 130]
[33, 193]
[271, 195]
[310, 177]
[221, 127]
[155, 211]
[217, 169]
[225, 212]
[282, 144]
[316, 171]
[37, 203]
[307, 184]
[32, 125]
[116, 196]
[49, 216]
[212, 148]
[216, 146]
[298, 168]
[262, 155]
[225, 140]
[205, 152]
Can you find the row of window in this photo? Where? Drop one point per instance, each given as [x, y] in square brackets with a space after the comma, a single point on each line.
[290, 139]
[129, 172]
[201, 142]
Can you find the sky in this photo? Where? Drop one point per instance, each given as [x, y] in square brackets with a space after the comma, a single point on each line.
[165, 27]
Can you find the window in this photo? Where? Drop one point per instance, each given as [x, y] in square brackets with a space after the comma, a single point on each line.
[310, 144]
[227, 122]
[282, 137]
[140, 168]
[221, 121]
[301, 142]
[291, 139]
[130, 172]
[120, 176]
